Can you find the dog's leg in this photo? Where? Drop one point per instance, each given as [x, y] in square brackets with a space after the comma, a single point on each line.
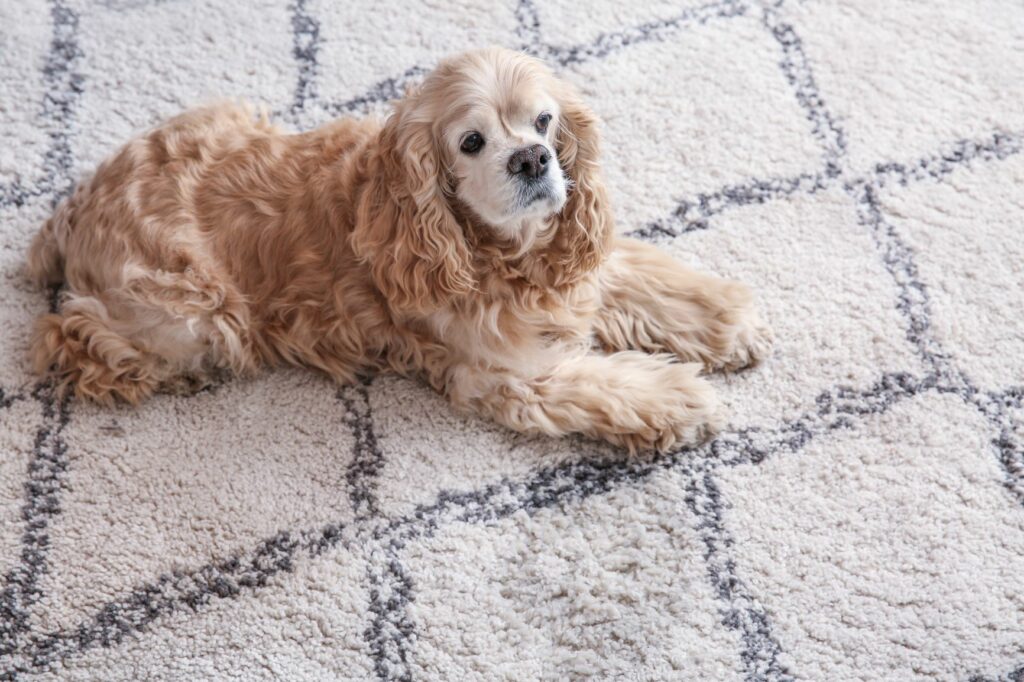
[191, 319]
[148, 332]
[80, 350]
[654, 303]
[632, 399]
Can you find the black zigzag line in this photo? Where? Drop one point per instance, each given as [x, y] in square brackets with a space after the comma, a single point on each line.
[796, 68]
[914, 304]
[836, 410]
[692, 214]
[1008, 441]
[46, 473]
[382, 91]
[394, 87]
[305, 49]
[391, 629]
[998, 146]
[740, 611]
[609, 43]
[229, 578]
[760, 648]
[367, 458]
[390, 586]
[528, 27]
[898, 258]
[182, 591]
[63, 85]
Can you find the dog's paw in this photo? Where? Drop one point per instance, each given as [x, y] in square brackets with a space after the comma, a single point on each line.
[187, 384]
[751, 343]
[687, 412]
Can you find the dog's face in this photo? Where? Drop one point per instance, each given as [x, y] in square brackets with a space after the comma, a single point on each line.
[495, 117]
[501, 146]
[493, 141]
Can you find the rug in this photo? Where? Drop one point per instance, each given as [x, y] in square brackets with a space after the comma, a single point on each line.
[858, 164]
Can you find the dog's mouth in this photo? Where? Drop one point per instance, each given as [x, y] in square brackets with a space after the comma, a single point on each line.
[531, 193]
[537, 196]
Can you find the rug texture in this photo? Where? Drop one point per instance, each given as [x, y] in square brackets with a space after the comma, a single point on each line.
[858, 164]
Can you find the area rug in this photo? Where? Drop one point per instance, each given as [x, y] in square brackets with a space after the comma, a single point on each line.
[858, 164]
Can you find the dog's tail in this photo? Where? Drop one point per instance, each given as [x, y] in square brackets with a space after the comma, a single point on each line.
[46, 254]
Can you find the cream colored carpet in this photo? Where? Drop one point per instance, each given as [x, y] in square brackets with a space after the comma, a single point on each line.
[858, 163]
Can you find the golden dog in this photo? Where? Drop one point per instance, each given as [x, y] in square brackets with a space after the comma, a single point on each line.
[468, 239]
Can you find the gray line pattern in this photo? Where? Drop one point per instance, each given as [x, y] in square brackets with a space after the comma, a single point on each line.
[63, 89]
[306, 48]
[391, 634]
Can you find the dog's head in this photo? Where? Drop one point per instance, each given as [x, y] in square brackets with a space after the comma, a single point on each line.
[491, 141]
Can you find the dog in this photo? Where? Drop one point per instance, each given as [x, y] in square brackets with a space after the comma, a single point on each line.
[468, 239]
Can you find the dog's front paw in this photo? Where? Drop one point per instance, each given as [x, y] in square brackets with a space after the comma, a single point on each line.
[751, 342]
[684, 411]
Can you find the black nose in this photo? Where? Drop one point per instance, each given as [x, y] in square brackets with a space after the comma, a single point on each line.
[530, 161]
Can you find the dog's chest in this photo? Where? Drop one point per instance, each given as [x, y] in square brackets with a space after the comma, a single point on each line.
[521, 334]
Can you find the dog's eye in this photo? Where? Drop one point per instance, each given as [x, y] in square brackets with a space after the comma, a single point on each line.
[472, 143]
[542, 122]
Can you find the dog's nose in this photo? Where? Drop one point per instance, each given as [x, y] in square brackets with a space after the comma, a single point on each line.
[530, 161]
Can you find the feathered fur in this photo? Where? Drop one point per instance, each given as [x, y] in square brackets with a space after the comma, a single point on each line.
[217, 241]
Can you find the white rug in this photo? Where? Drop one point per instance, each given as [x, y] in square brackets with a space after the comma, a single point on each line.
[858, 164]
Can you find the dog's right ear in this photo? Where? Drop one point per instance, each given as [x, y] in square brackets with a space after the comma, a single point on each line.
[406, 231]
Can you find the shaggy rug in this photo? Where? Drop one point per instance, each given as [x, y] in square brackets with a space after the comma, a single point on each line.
[861, 518]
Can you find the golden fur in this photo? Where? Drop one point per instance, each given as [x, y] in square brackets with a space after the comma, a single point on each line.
[218, 241]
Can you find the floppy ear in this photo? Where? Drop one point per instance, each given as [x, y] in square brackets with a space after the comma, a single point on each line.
[585, 227]
[405, 229]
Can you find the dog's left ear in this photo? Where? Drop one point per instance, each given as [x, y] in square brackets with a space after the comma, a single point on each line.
[584, 233]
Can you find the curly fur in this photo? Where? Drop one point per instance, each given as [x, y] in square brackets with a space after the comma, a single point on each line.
[217, 241]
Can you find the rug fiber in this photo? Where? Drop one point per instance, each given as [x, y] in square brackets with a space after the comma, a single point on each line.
[857, 163]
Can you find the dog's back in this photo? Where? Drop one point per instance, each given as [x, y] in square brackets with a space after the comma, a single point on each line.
[180, 253]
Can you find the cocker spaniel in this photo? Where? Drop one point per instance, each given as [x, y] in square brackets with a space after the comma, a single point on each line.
[468, 239]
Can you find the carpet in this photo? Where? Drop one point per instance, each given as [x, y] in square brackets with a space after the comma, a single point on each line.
[858, 164]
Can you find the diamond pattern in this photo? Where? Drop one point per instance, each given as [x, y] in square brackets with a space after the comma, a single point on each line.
[699, 95]
[937, 76]
[584, 592]
[861, 555]
[201, 466]
[832, 300]
[974, 302]
[427, 448]
[347, 561]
